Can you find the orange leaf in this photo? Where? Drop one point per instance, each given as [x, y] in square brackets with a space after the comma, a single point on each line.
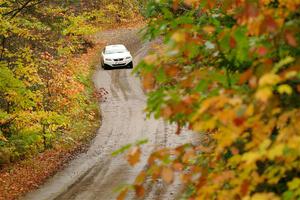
[298, 87]
[188, 82]
[172, 71]
[148, 81]
[223, 176]
[122, 195]
[191, 3]
[232, 42]
[203, 149]
[185, 178]
[188, 156]
[202, 181]
[151, 159]
[175, 5]
[155, 172]
[140, 178]
[167, 175]
[245, 76]
[187, 100]
[268, 25]
[234, 151]
[290, 39]
[177, 166]
[134, 156]
[166, 112]
[211, 4]
[139, 190]
[244, 187]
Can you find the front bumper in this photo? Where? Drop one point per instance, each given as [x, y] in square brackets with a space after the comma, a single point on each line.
[113, 63]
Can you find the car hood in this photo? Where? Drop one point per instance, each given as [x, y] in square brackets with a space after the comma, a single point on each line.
[117, 55]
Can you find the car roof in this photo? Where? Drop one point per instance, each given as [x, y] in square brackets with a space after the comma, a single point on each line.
[115, 46]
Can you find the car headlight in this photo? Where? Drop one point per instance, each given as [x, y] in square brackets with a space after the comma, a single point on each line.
[108, 59]
[128, 57]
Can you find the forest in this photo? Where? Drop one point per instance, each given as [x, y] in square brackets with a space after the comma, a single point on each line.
[42, 92]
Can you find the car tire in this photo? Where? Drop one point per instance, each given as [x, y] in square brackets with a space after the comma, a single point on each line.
[130, 65]
[106, 67]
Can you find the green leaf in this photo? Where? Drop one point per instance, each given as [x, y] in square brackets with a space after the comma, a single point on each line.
[121, 150]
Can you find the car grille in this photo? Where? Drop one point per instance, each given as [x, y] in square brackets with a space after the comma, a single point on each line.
[118, 65]
[119, 59]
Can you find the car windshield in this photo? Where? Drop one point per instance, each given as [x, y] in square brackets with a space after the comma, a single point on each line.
[112, 51]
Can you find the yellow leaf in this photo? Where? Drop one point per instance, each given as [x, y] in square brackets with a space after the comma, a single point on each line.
[249, 110]
[251, 157]
[290, 74]
[282, 63]
[167, 175]
[264, 196]
[285, 89]
[209, 29]
[3, 138]
[178, 37]
[265, 145]
[275, 151]
[269, 79]
[207, 125]
[294, 184]
[293, 142]
[134, 156]
[264, 94]
[276, 111]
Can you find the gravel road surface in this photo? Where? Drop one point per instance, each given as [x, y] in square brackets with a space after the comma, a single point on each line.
[95, 174]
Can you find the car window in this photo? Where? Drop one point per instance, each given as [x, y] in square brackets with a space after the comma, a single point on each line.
[112, 51]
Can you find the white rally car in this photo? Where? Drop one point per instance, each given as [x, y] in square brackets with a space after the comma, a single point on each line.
[116, 56]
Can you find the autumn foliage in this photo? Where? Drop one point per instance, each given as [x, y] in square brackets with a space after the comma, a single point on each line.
[230, 71]
[46, 95]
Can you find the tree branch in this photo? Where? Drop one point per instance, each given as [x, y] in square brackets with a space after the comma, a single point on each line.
[27, 4]
[3, 47]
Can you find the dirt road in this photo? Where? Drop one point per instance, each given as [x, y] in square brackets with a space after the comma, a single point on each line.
[95, 174]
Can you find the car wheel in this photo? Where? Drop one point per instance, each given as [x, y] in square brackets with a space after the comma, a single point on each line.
[106, 67]
[130, 65]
